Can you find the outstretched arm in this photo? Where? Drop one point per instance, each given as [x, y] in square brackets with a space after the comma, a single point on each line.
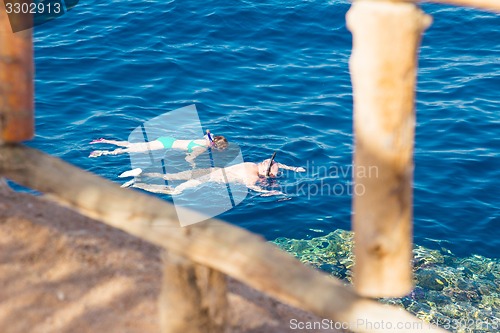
[196, 152]
[295, 169]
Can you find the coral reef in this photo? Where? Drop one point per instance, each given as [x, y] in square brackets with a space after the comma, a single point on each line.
[458, 294]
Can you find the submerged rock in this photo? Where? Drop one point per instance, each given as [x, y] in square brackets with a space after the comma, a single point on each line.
[429, 279]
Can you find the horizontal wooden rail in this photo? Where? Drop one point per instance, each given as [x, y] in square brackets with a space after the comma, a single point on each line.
[491, 5]
[221, 246]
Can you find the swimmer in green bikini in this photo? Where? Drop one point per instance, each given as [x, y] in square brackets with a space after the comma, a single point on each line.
[194, 148]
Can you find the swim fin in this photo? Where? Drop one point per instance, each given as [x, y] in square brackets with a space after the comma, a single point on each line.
[131, 173]
[128, 184]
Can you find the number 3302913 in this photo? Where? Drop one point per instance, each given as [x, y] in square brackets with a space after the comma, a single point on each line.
[32, 8]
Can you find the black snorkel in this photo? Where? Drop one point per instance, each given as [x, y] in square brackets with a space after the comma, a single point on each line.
[270, 164]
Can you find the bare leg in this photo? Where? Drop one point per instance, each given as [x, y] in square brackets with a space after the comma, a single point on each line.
[131, 148]
[162, 189]
[112, 142]
[184, 175]
[144, 146]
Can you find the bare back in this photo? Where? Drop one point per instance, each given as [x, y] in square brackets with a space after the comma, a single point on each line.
[245, 173]
[184, 144]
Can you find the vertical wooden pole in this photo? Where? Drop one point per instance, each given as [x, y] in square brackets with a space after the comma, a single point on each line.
[16, 80]
[386, 36]
[193, 298]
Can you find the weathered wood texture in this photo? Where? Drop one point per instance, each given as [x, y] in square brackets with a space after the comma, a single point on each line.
[386, 36]
[16, 82]
[218, 245]
[193, 298]
[488, 5]
[491, 5]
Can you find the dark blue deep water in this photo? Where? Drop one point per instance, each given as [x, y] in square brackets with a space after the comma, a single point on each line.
[272, 76]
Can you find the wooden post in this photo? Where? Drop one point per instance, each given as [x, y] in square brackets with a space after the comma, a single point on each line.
[193, 298]
[16, 81]
[386, 36]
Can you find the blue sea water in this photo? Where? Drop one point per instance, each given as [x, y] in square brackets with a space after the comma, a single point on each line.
[273, 75]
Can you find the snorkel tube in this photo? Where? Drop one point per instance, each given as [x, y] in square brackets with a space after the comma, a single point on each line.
[270, 164]
[210, 138]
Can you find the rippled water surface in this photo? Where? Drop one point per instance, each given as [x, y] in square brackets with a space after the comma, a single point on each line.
[274, 76]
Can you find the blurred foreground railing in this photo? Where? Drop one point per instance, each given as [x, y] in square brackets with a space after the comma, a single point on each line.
[491, 5]
[198, 255]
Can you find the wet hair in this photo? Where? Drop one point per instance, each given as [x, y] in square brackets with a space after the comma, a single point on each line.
[220, 142]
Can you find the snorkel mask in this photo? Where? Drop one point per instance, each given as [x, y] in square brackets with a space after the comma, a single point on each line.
[217, 142]
[270, 164]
